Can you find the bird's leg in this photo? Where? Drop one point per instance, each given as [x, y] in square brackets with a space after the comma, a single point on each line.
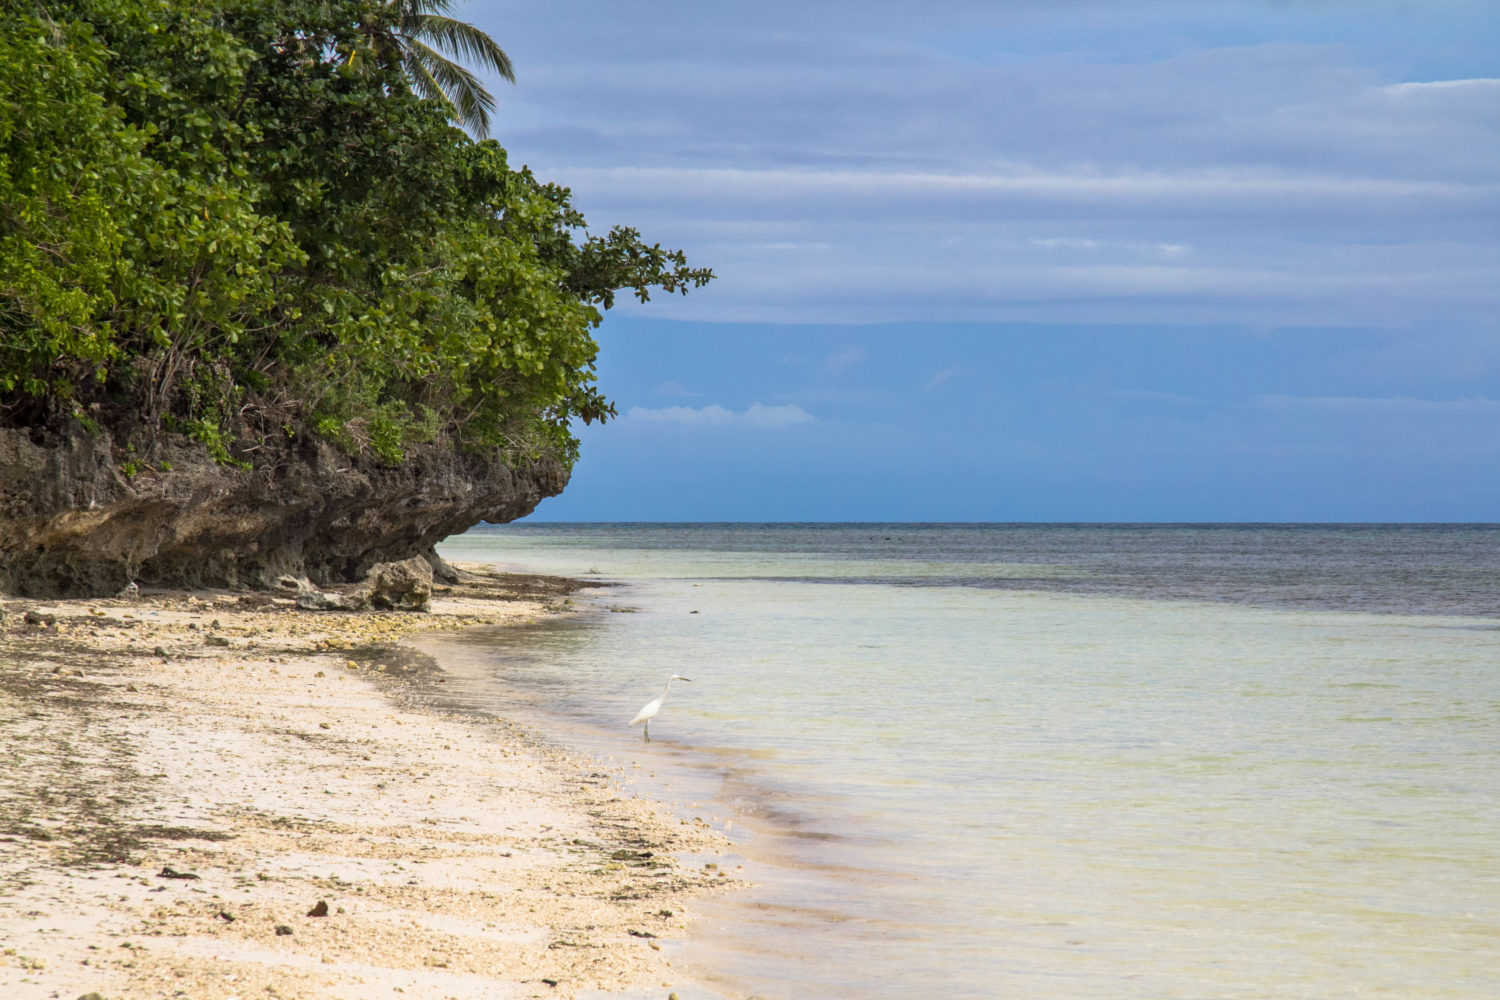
[647, 730]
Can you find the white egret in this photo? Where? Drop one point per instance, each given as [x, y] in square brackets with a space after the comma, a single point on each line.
[649, 710]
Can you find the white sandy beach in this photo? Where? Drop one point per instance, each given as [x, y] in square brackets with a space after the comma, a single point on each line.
[267, 752]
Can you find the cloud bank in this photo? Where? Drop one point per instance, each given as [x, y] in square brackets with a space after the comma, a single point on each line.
[1255, 163]
[757, 416]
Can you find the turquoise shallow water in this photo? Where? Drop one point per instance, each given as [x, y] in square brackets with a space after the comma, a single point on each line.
[1070, 761]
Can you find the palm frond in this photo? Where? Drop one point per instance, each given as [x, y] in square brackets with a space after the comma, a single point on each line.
[419, 37]
[461, 39]
[461, 90]
[417, 8]
[424, 83]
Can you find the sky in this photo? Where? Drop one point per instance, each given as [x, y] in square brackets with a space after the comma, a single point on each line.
[1018, 260]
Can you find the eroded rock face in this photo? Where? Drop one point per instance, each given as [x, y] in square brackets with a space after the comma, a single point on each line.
[72, 524]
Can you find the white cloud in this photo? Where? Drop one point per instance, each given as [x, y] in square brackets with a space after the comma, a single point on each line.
[1476, 84]
[757, 415]
[1171, 186]
[841, 361]
[1066, 243]
[1082, 243]
[938, 378]
[1381, 404]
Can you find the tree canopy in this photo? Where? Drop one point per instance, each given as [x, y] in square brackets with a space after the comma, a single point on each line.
[210, 223]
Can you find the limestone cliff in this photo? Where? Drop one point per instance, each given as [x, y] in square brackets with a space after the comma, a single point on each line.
[73, 524]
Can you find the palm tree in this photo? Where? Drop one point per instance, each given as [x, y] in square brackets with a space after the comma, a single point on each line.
[417, 37]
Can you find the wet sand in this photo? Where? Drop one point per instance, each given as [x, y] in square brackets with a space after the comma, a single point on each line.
[216, 795]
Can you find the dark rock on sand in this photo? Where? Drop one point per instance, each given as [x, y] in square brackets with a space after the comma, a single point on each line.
[169, 872]
[395, 586]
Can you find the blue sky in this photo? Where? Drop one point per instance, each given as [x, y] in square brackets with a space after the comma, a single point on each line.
[1034, 261]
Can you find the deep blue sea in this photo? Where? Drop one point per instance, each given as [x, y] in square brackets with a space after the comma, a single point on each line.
[1022, 761]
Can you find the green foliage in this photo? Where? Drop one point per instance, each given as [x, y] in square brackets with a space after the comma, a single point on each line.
[211, 224]
[63, 151]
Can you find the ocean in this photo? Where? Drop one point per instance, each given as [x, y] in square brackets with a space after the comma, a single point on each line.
[1026, 761]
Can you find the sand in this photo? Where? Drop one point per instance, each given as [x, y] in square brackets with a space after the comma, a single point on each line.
[210, 796]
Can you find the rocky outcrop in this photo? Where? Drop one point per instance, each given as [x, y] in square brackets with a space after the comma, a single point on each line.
[72, 523]
[391, 586]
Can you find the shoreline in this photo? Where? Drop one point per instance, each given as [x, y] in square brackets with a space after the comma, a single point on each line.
[268, 752]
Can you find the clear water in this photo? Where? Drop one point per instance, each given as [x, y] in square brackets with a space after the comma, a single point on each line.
[1049, 761]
